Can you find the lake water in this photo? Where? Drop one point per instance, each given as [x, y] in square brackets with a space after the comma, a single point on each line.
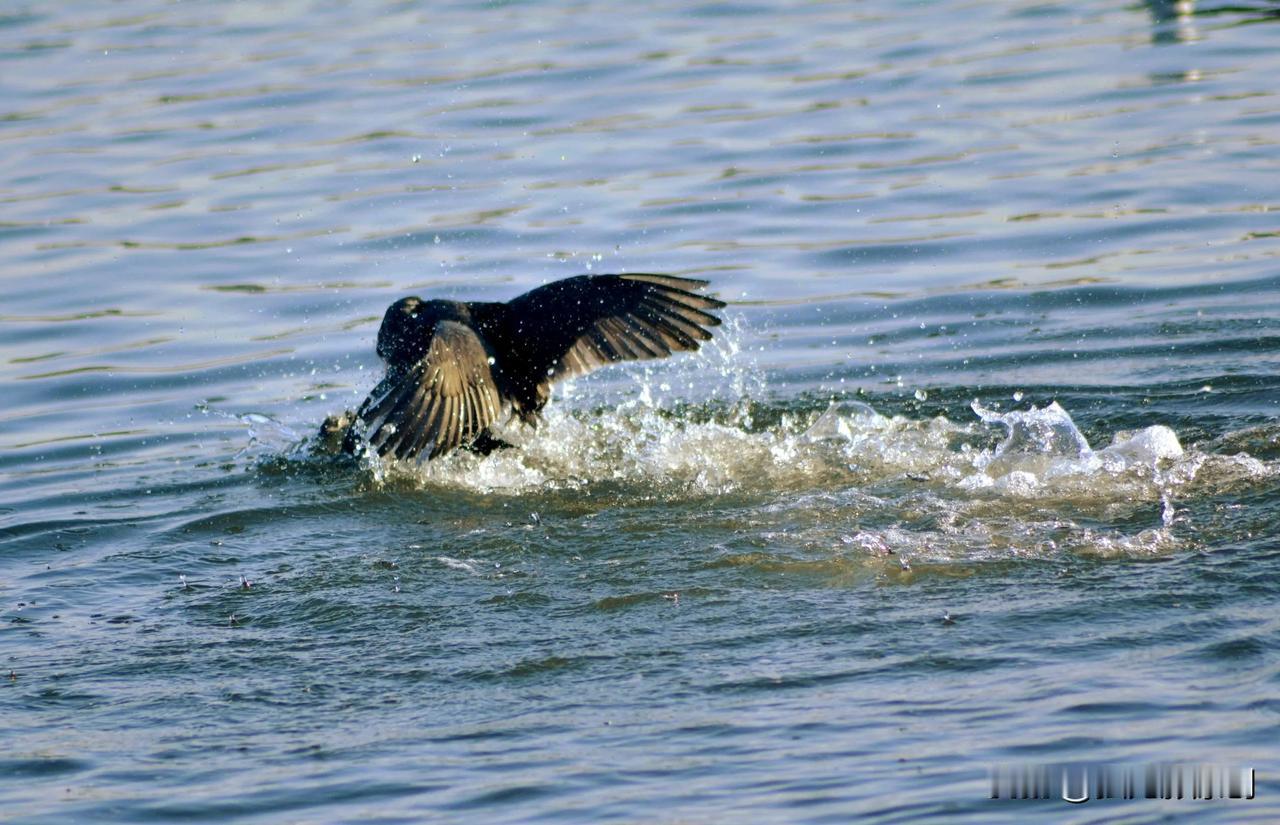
[982, 469]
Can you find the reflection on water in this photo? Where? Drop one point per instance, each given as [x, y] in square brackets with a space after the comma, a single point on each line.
[1173, 21]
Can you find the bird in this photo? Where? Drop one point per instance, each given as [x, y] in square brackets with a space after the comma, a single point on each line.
[455, 368]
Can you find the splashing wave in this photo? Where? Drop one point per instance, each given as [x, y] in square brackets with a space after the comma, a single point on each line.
[758, 448]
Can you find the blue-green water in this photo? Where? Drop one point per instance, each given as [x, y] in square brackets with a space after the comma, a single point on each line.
[707, 588]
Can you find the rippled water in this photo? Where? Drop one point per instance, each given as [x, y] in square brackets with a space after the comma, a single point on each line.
[984, 466]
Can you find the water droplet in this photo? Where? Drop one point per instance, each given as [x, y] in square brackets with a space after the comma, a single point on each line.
[1017, 396]
[921, 395]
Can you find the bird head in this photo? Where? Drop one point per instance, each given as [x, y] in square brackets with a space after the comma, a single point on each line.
[401, 333]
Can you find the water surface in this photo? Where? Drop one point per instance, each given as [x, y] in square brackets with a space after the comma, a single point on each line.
[983, 467]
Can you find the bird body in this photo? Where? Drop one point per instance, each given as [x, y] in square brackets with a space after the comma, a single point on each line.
[453, 367]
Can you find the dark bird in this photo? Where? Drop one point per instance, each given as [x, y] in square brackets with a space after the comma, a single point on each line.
[454, 368]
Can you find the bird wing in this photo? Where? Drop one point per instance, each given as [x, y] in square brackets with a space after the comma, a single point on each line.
[576, 325]
[444, 400]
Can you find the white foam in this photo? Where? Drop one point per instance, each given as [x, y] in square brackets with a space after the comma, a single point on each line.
[848, 479]
[1043, 454]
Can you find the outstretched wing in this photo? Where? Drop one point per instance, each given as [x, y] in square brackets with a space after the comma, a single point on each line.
[574, 326]
[443, 401]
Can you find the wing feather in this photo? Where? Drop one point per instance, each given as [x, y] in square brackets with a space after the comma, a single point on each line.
[644, 336]
[673, 320]
[443, 401]
[577, 325]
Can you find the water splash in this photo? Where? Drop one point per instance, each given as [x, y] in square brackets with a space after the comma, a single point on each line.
[1045, 452]
[1048, 431]
[755, 448]
[839, 486]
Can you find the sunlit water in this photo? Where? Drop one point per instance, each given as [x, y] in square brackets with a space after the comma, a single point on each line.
[983, 467]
